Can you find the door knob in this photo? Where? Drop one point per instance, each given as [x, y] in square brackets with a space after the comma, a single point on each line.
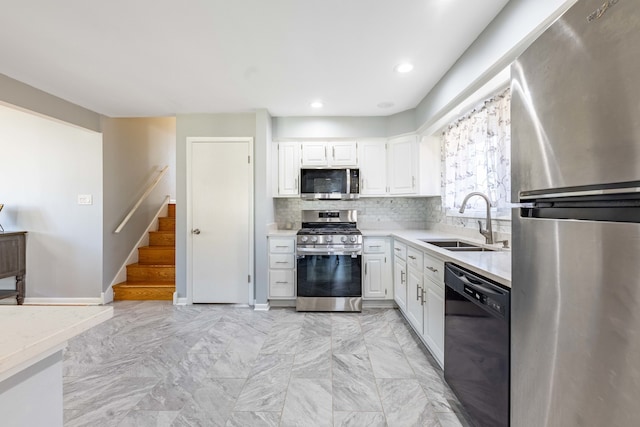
[196, 231]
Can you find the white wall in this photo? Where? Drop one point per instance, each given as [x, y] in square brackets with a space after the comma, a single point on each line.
[44, 166]
[515, 28]
[134, 151]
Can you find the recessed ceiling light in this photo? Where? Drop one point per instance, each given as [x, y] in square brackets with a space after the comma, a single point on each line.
[317, 104]
[386, 105]
[405, 67]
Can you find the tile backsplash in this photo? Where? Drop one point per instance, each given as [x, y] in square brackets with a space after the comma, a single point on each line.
[373, 213]
[389, 213]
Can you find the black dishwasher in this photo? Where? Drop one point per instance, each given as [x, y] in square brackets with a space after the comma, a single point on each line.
[476, 345]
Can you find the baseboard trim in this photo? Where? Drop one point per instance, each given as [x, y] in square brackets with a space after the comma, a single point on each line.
[282, 303]
[179, 301]
[107, 296]
[63, 301]
[261, 307]
[387, 303]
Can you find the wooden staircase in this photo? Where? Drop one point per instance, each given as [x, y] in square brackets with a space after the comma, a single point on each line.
[153, 277]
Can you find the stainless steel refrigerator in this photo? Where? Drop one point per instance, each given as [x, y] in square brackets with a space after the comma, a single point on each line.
[575, 337]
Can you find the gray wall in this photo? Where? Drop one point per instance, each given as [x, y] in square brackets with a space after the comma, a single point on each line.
[30, 98]
[44, 166]
[189, 125]
[344, 127]
[134, 151]
[264, 206]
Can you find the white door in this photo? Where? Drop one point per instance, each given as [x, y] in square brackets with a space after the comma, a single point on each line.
[221, 194]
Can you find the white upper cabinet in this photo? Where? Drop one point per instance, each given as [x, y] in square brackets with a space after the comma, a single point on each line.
[334, 153]
[373, 167]
[403, 165]
[413, 166]
[288, 169]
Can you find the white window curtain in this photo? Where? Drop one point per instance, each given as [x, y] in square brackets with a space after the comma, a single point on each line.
[476, 151]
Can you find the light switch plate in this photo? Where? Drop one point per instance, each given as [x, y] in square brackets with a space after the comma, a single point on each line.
[85, 199]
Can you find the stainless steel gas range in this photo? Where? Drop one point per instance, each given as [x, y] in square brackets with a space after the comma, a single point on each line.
[329, 261]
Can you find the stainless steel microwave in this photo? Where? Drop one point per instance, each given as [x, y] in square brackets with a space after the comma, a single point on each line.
[329, 184]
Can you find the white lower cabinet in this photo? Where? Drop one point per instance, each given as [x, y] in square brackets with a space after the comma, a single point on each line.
[423, 292]
[414, 288]
[282, 268]
[376, 270]
[400, 275]
[434, 319]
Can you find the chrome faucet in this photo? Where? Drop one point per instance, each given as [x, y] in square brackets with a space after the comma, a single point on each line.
[488, 233]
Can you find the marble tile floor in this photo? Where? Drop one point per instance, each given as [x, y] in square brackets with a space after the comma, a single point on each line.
[155, 364]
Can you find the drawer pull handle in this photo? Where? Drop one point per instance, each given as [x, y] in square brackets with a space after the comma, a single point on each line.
[282, 283]
[282, 246]
[374, 246]
[396, 249]
[402, 273]
[282, 262]
[412, 257]
[435, 270]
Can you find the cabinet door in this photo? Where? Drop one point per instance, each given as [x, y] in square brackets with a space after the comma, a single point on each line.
[434, 319]
[402, 166]
[373, 168]
[375, 280]
[343, 153]
[414, 299]
[288, 168]
[281, 284]
[400, 283]
[314, 154]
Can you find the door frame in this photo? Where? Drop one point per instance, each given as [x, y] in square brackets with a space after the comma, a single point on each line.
[191, 140]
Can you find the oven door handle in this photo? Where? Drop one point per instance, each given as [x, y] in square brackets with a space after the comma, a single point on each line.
[325, 251]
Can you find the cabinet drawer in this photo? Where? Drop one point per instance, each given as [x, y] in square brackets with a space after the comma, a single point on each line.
[414, 259]
[282, 261]
[374, 246]
[281, 246]
[281, 284]
[400, 249]
[434, 269]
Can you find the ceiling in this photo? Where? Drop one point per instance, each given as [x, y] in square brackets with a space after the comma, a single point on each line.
[124, 58]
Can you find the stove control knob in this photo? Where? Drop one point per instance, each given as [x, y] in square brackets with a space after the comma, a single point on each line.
[314, 239]
[343, 238]
[353, 239]
[303, 238]
[328, 238]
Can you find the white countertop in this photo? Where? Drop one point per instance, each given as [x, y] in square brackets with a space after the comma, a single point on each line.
[30, 333]
[282, 233]
[495, 265]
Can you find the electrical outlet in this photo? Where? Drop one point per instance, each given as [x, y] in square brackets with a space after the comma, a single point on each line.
[85, 199]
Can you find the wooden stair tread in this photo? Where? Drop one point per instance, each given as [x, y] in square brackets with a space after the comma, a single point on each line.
[153, 277]
[145, 284]
[138, 265]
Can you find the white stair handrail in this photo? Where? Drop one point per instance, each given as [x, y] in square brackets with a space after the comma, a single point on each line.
[148, 191]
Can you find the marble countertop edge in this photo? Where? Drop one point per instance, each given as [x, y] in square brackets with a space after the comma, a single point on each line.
[37, 330]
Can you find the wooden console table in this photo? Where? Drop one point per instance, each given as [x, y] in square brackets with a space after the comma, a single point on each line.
[13, 262]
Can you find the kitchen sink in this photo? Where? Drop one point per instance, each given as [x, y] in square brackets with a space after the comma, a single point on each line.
[457, 246]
